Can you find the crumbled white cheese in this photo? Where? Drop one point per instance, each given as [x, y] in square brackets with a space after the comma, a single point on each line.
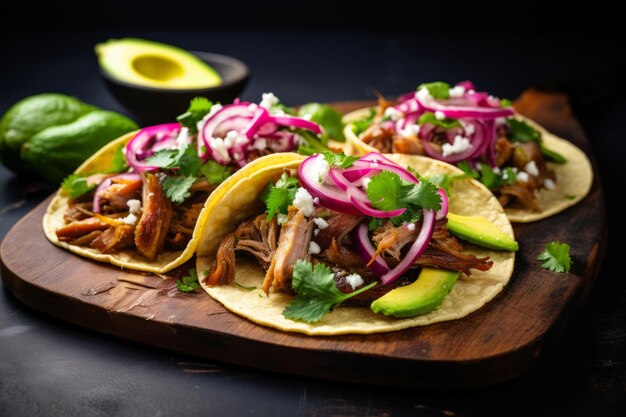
[505, 175]
[316, 232]
[183, 137]
[354, 280]
[134, 206]
[268, 100]
[304, 202]
[460, 144]
[320, 164]
[410, 131]
[500, 121]
[316, 201]
[471, 92]
[439, 115]
[514, 169]
[320, 223]
[478, 166]
[231, 138]
[279, 112]
[162, 176]
[393, 113]
[236, 156]
[260, 144]
[531, 168]
[281, 218]
[423, 94]
[297, 139]
[131, 219]
[218, 145]
[151, 194]
[469, 129]
[497, 170]
[241, 140]
[456, 91]
[314, 248]
[549, 184]
[252, 107]
[307, 116]
[410, 226]
[365, 182]
[522, 176]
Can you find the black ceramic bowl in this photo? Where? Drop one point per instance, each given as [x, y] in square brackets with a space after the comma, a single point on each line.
[152, 105]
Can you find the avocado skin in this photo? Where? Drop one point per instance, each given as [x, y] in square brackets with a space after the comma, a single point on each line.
[57, 151]
[481, 232]
[421, 297]
[30, 116]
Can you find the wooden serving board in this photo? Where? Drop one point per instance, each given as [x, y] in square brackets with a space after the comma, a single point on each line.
[496, 343]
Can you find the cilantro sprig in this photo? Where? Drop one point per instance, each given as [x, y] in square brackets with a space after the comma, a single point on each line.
[446, 123]
[76, 185]
[490, 178]
[387, 191]
[198, 108]
[177, 188]
[361, 125]
[278, 197]
[316, 292]
[438, 89]
[520, 131]
[325, 116]
[188, 283]
[339, 160]
[555, 257]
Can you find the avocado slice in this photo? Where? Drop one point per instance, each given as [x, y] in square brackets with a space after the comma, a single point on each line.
[480, 231]
[154, 64]
[421, 297]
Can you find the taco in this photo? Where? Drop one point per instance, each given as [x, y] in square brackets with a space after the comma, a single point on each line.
[533, 173]
[292, 241]
[141, 201]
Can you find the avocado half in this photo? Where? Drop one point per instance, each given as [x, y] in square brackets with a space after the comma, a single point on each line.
[154, 64]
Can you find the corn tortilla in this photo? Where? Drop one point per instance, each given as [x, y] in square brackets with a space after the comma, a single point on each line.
[573, 178]
[468, 197]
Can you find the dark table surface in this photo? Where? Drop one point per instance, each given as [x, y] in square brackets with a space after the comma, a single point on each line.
[48, 367]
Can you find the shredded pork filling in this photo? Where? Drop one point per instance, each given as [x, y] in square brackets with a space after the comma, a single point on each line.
[283, 246]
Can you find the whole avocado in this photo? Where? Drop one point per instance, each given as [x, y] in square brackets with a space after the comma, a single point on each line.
[33, 117]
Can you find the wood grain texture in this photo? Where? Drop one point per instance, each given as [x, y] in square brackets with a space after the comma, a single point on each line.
[496, 343]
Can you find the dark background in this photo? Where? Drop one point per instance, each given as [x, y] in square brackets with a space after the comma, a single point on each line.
[318, 51]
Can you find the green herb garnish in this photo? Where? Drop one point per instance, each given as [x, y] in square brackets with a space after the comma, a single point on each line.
[505, 102]
[189, 283]
[316, 292]
[570, 196]
[177, 188]
[438, 89]
[327, 117]
[446, 123]
[76, 185]
[215, 172]
[361, 125]
[119, 163]
[520, 131]
[552, 155]
[555, 257]
[468, 170]
[198, 108]
[387, 191]
[339, 160]
[278, 197]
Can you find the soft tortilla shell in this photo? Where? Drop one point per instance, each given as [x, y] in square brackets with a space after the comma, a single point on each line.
[468, 197]
[574, 178]
[130, 258]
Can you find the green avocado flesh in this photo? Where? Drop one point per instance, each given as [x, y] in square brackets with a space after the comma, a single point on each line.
[154, 64]
[480, 231]
[421, 297]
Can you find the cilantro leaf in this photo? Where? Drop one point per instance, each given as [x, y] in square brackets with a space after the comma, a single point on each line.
[552, 155]
[442, 181]
[468, 170]
[119, 163]
[316, 292]
[164, 158]
[76, 185]
[438, 89]
[311, 141]
[177, 188]
[278, 107]
[189, 283]
[520, 131]
[446, 123]
[555, 257]
[339, 160]
[325, 116]
[188, 161]
[375, 223]
[387, 191]
[198, 108]
[489, 178]
[360, 126]
[509, 176]
[215, 172]
[505, 102]
[278, 197]
[570, 196]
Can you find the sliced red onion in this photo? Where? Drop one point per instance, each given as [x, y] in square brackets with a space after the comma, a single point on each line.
[443, 212]
[296, 122]
[106, 184]
[259, 119]
[366, 251]
[468, 85]
[417, 248]
[212, 123]
[141, 144]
